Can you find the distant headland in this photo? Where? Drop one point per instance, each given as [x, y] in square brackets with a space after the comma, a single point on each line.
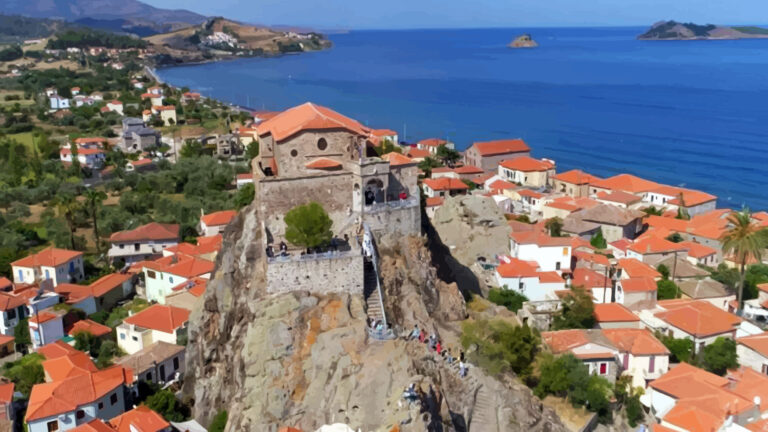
[673, 30]
[523, 41]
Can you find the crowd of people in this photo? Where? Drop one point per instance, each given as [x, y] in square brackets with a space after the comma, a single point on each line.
[434, 344]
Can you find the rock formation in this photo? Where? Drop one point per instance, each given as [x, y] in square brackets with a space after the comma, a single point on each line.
[523, 41]
[673, 30]
[305, 360]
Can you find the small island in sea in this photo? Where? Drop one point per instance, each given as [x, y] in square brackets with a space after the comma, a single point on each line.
[673, 30]
[523, 41]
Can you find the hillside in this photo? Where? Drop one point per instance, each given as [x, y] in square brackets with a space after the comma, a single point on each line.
[123, 14]
[220, 38]
[18, 28]
[673, 30]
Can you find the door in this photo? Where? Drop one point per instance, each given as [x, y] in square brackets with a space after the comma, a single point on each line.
[652, 364]
[162, 373]
[625, 362]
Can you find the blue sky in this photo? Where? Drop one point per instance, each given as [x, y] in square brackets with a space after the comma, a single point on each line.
[369, 14]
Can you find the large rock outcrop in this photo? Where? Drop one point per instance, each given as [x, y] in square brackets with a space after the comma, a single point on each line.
[305, 360]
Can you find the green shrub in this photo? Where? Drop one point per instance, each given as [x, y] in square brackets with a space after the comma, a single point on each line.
[510, 299]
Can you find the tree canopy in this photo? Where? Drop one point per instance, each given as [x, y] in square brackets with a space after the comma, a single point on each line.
[308, 226]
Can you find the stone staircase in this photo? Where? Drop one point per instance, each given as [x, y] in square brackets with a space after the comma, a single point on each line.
[484, 413]
[372, 299]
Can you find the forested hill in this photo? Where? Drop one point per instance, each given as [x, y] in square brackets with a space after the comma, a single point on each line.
[18, 28]
[673, 30]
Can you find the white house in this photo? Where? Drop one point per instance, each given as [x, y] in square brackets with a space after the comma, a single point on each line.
[12, 309]
[524, 278]
[753, 352]
[697, 320]
[590, 346]
[670, 197]
[166, 112]
[243, 179]
[58, 102]
[154, 324]
[551, 253]
[158, 363]
[58, 265]
[165, 274]
[93, 158]
[641, 355]
[46, 327]
[65, 404]
[115, 106]
[214, 223]
[144, 242]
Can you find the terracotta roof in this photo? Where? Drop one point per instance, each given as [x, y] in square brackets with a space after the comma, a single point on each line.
[614, 312]
[621, 244]
[584, 277]
[43, 317]
[141, 162]
[626, 183]
[82, 151]
[685, 380]
[397, 159]
[758, 343]
[445, 183]
[204, 246]
[417, 153]
[688, 415]
[482, 178]
[654, 245]
[73, 364]
[516, 268]
[539, 238]
[219, 218]
[95, 425]
[620, 197]
[56, 349]
[246, 176]
[150, 231]
[49, 257]
[89, 326]
[140, 419]
[567, 340]
[636, 341]
[195, 286]
[182, 265]
[160, 317]
[6, 392]
[527, 164]
[638, 284]
[499, 147]
[635, 268]
[698, 318]
[690, 197]
[468, 169]
[308, 117]
[164, 108]
[322, 163]
[383, 132]
[550, 277]
[697, 250]
[150, 356]
[434, 201]
[577, 177]
[106, 284]
[672, 224]
[54, 398]
[8, 301]
[433, 142]
[593, 258]
[758, 426]
[5, 283]
[530, 193]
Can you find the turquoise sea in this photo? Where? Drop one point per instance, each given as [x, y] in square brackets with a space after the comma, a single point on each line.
[687, 113]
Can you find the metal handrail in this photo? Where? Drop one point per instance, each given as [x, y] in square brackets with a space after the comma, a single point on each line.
[375, 261]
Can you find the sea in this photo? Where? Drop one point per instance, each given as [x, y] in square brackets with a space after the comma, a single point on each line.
[685, 113]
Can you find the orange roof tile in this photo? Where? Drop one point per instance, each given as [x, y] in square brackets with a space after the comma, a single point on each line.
[73, 364]
[619, 197]
[635, 268]
[539, 238]
[621, 244]
[758, 426]
[614, 312]
[8, 301]
[43, 317]
[89, 326]
[689, 416]
[150, 231]
[90, 140]
[48, 257]
[638, 284]
[245, 176]
[593, 258]
[690, 197]
[219, 218]
[550, 277]
[468, 170]
[106, 284]
[54, 398]
[141, 419]
[434, 201]
[433, 142]
[417, 153]
[567, 340]
[195, 286]
[397, 159]
[6, 392]
[626, 183]
[685, 380]
[323, 163]
[757, 343]
[499, 185]
[5, 283]
[160, 317]
[164, 108]
[697, 250]
[654, 245]
[56, 349]
[481, 179]
[636, 341]
[95, 425]
[516, 268]
[530, 193]
[586, 278]
[182, 265]
[527, 164]
[672, 224]
[383, 132]
[308, 117]
[577, 177]
[498, 147]
[445, 183]
[698, 318]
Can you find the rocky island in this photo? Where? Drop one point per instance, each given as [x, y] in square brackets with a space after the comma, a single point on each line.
[523, 41]
[673, 30]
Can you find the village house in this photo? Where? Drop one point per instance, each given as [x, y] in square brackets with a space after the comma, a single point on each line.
[154, 99]
[624, 183]
[115, 106]
[69, 362]
[214, 223]
[154, 324]
[137, 137]
[707, 289]
[692, 202]
[641, 355]
[163, 275]
[615, 316]
[92, 158]
[432, 204]
[614, 222]
[206, 248]
[140, 419]
[564, 206]
[243, 179]
[190, 97]
[142, 243]
[12, 310]
[46, 327]
[58, 265]
[618, 198]
[432, 144]
[590, 346]
[699, 254]
[528, 172]
[157, 363]
[378, 136]
[141, 165]
[102, 294]
[574, 183]
[598, 283]
[67, 403]
[489, 154]
[697, 320]
[443, 187]
[98, 331]
[532, 201]
[58, 102]
[185, 294]
[7, 346]
[416, 154]
[632, 268]
[636, 293]
[652, 249]
[167, 114]
[551, 253]
[525, 278]
[752, 352]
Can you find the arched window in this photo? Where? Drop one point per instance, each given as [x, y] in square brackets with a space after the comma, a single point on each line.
[322, 144]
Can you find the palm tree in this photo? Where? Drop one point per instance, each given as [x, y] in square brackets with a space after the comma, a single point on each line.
[745, 241]
[66, 207]
[93, 200]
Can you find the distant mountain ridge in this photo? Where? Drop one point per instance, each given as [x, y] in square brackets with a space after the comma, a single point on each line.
[673, 30]
[116, 15]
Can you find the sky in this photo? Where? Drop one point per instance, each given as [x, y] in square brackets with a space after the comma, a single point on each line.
[399, 14]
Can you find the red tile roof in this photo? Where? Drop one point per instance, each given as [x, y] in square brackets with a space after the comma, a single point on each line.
[626, 183]
[182, 265]
[6, 392]
[204, 246]
[308, 117]
[142, 162]
[323, 163]
[685, 380]
[140, 419]
[637, 342]
[530, 193]
[164, 108]
[194, 286]
[95, 425]
[434, 201]
[433, 142]
[634, 268]
[90, 140]
[577, 177]
[383, 132]
[56, 349]
[654, 245]
[516, 268]
[593, 258]
[539, 238]
[499, 185]
[82, 151]
[416, 153]
[697, 250]
[550, 277]
[619, 197]
[568, 340]
[246, 176]
[73, 364]
[8, 301]
[499, 147]
[698, 318]
[49, 257]
[690, 197]
[151, 231]
[219, 218]
[586, 278]
[468, 169]
[614, 312]
[397, 159]
[638, 284]
[672, 224]
[5, 283]
[54, 398]
[445, 184]
[757, 343]
[43, 317]
[106, 284]
[89, 326]
[527, 164]
[160, 317]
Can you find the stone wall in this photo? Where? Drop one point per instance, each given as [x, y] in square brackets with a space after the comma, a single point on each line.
[293, 153]
[342, 274]
[403, 221]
